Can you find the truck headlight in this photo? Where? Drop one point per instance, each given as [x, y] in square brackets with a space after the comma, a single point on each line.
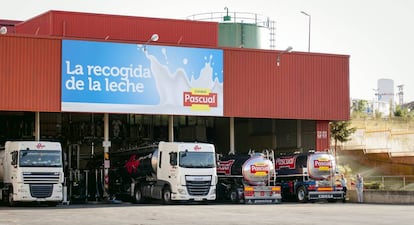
[213, 190]
[181, 191]
[22, 189]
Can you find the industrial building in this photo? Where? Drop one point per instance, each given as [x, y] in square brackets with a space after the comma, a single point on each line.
[99, 83]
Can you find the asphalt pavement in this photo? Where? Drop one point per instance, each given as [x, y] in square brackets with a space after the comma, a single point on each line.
[209, 214]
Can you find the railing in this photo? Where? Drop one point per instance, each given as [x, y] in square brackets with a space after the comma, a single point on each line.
[388, 183]
[233, 17]
[394, 123]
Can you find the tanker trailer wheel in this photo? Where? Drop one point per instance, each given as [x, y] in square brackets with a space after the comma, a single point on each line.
[137, 198]
[234, 197]
[166, 195]
[301, 194]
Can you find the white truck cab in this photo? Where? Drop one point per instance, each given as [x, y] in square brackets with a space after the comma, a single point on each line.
[181, 171]
[31, 171]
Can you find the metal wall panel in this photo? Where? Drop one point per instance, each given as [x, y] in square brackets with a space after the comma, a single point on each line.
[303, 86]
[323, 136]
[122, 28]
[29, 74]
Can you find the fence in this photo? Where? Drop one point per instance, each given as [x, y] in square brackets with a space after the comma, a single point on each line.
[390, 183]
[383, 124]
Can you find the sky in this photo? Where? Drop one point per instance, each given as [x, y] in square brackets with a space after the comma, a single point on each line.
[378, 35]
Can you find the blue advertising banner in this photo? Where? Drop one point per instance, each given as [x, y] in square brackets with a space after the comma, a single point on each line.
[130, 78]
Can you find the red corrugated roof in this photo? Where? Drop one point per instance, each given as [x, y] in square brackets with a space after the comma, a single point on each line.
[121, 28]
[9, 24]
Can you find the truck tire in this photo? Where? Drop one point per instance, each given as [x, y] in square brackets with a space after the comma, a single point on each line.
[301, 194]
[5, 199]
[10, 198]
[137, 198]
[166, 195]
[234, 196]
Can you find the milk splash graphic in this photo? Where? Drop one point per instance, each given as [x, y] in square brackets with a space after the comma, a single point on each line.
[171, 85]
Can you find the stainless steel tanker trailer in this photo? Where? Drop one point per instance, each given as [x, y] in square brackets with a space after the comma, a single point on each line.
[308, 177]
[247, 178]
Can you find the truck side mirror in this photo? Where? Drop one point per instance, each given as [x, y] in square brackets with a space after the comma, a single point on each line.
[15, 155]
[173, 158]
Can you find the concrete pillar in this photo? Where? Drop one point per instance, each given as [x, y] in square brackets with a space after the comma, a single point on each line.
[37, 126]
[299, 134]
[171, 128]
[106, 144]
[232, 148]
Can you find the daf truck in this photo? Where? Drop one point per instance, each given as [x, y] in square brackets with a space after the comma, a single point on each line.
[172, 171]
[31, 171]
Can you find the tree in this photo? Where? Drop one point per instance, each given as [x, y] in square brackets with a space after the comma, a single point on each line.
[341, 131]
[360, 108]
[402, 112]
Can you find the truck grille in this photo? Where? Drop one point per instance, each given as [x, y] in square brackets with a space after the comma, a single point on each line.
[41, 177]
[41, 190]
[198, 186]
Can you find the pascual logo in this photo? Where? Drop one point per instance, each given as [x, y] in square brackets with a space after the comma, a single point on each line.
[200, 99]
[285, 162]
[40, 146]
[318, 163]
[259, 169]
[225, 167]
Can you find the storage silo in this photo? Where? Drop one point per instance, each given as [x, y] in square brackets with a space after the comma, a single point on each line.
[241, 29]
[386, 91]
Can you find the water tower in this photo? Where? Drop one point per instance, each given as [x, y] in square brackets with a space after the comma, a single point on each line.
[241, 29]
[400, 94]
[386, 91]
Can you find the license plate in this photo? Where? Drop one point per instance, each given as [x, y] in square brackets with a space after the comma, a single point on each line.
[325, 196]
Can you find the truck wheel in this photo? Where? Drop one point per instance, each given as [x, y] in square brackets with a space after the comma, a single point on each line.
[5, 199]
[138, 195]
[234, 197]
[166, 195]
[10, 198]
[301, 194]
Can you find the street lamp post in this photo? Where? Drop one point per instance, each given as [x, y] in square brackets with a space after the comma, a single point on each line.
[154, 37]
[288, 49]
[309, 29]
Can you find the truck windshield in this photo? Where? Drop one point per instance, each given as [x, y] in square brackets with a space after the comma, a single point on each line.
[197, 159]
[35, 158]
